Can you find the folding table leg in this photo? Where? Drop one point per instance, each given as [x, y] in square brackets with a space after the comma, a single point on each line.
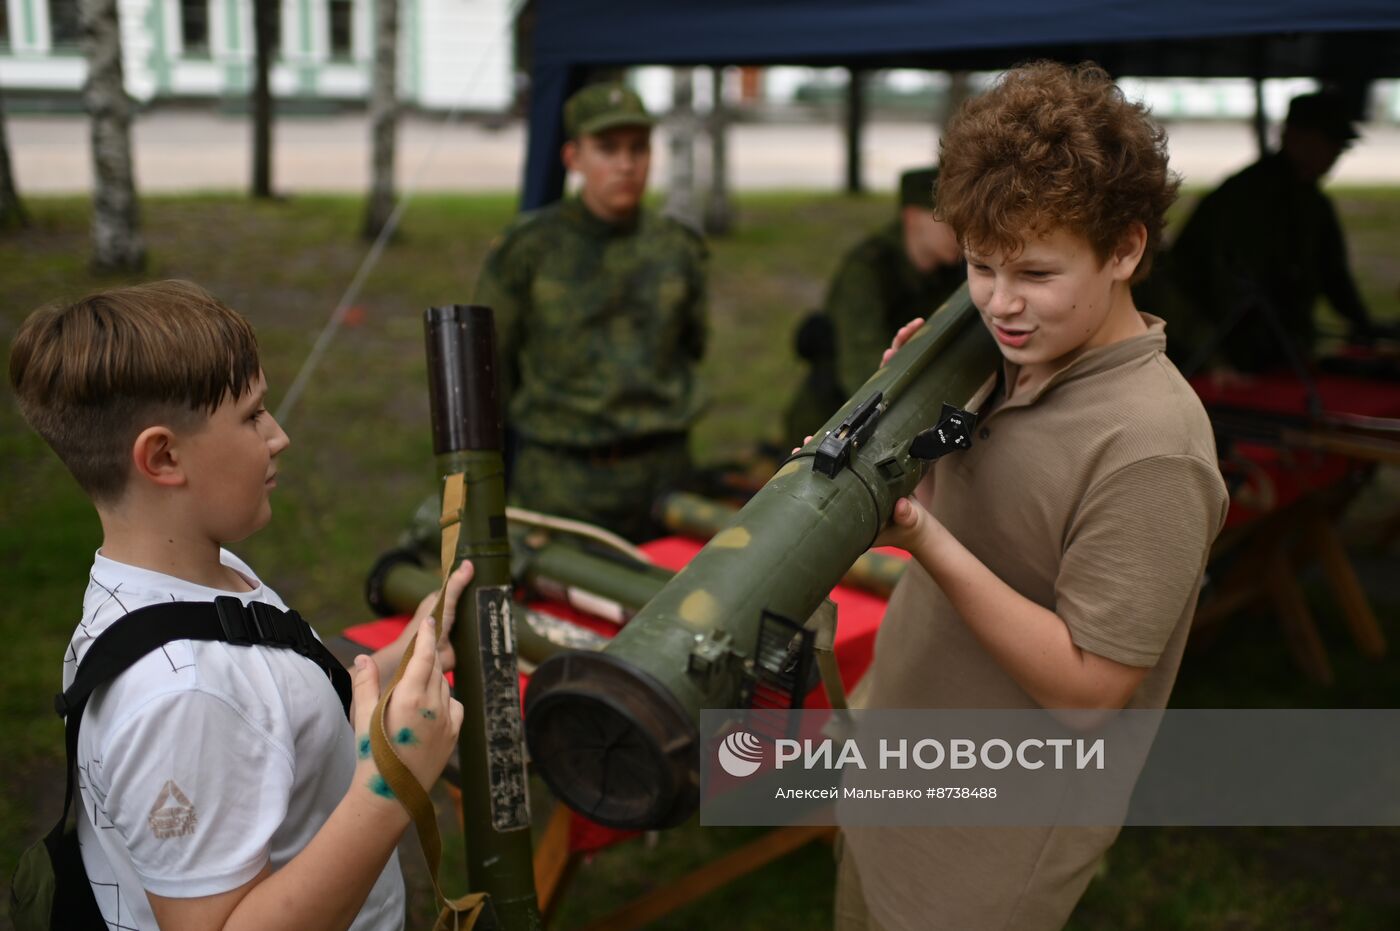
[1346, 587]
[554, 862]
[705, 879]
[1299, 628]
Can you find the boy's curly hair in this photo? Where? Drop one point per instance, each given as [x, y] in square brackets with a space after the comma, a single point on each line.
[91, 375]
[1052, 146]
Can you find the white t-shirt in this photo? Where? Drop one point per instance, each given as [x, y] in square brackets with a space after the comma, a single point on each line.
[204, 761]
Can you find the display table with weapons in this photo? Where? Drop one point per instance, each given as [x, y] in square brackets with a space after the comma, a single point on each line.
[1295, 451]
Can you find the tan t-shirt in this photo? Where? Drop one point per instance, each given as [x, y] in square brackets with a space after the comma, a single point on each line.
[1097, 496]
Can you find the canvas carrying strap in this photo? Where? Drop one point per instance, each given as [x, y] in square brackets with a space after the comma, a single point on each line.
[459, 914]
[131, 637]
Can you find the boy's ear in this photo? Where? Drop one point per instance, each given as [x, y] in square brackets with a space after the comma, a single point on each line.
[569, 154]
[155, 458]
[1127, 255]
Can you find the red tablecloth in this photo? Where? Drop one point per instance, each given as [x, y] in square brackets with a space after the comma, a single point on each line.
[1286, 394]
[1271, 476]
[1266, 478]
[858, 617]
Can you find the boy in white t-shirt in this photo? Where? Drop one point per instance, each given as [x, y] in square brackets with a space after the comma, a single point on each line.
[221, 786]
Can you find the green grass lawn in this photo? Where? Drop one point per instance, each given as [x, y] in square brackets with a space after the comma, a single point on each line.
[360, 460]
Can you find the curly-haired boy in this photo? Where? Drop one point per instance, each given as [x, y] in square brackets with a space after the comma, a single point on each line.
[1058, 562]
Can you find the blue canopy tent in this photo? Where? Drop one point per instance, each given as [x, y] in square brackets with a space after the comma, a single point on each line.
[1351, 41]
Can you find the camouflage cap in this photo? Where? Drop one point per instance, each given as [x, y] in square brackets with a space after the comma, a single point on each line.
[1324, 111]
[598, 107]
[916, 187]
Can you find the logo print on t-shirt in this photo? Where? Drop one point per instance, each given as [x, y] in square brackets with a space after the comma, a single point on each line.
[173, 813]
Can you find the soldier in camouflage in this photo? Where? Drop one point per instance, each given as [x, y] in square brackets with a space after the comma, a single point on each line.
[905, 269]
[600, 315]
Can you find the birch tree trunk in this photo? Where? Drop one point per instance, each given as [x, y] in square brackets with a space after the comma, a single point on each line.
[680, 193]
[719, 214]
[12, 215]
[116, 221]
[959, 90]
[383, 117]
[265, 13]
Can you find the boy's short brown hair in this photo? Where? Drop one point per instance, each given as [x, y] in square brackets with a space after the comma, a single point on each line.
[92, 375]
[1053, 146]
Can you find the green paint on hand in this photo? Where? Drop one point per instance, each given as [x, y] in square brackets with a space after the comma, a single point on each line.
[379, 787]
[364, 747]
[405, 737]
[429, 713]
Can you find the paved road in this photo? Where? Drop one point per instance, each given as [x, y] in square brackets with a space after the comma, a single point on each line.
[181, 150]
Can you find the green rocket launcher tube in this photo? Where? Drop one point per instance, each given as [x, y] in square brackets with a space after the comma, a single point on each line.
[614, 733]
[606, 587]
[696, 516]
[538, 636]
[466, 420]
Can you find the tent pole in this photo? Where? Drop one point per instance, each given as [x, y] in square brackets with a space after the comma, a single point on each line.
[1261, 119]
[855, 120]
[1259, 52]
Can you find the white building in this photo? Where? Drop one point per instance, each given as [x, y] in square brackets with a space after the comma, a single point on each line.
[452, 53]
[1169, 98]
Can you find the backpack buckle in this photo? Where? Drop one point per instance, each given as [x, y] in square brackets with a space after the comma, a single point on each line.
[258, 623]
[236, 620]
[305, 640]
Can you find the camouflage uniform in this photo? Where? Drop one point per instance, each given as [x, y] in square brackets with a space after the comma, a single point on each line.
[600, 327]
[876, 291]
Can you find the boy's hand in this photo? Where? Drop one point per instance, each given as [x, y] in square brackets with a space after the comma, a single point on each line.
[909, 524]
[902, 337]
[388, 658]
[422, 718]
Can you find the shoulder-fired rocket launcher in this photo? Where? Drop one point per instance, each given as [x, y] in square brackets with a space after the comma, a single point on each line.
[614, 732]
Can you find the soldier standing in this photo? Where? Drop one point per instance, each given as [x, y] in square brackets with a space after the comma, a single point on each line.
[905, 269]
[600, 312]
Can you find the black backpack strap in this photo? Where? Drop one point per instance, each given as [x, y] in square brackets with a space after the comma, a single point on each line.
[225, 618]
[145, 629]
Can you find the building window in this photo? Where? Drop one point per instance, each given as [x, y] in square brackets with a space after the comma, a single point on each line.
[194, 26]
[342, 16]
[65, 29]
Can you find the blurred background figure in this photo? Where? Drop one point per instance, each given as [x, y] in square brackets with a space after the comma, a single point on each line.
[1258, 251]
[905, 269]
